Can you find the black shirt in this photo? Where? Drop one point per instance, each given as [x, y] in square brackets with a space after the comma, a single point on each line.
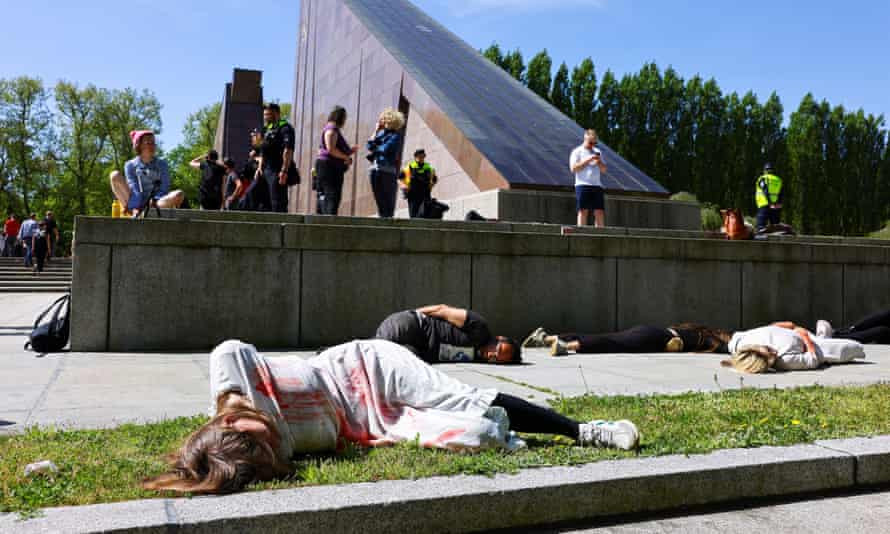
[278, 137]
[425, 334]
[50, 226]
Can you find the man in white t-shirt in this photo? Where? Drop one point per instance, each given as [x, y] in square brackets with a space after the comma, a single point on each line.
[588, 166]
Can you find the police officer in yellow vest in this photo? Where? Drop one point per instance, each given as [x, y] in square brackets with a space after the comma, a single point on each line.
[417, 180]
[769, 198]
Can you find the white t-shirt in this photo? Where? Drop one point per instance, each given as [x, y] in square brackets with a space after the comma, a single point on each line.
[589, 175]
[788, 344]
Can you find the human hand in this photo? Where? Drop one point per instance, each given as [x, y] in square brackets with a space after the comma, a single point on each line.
[355, 149]
[282, 178]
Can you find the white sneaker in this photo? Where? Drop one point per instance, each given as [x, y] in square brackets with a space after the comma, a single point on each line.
[613, 434]
[535, 340]
[559, 348]
[824, 329]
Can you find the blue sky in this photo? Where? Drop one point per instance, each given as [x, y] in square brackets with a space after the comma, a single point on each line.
[184, 50]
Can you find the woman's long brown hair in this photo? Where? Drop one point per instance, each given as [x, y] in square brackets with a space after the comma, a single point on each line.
[219, 460]
[709, 339]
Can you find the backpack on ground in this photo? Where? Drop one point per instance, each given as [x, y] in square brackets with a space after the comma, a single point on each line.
[52, 336]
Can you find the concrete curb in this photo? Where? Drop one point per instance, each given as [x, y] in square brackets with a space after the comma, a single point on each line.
[474, 503]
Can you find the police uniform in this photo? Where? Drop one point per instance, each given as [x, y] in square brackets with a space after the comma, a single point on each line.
[277, 137]
[419, 181]
[769, 191]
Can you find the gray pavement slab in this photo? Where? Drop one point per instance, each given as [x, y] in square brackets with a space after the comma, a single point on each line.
[104, 389]
[869, 512]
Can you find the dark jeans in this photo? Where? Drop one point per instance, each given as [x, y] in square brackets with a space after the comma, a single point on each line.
[637, 340]
[330, 186]
[527, 417]
[416, 202]
[385, 188]
[40, 257]
[277, 192]
[9, 251]
[873, 329]
[29, 258]
[768, 216]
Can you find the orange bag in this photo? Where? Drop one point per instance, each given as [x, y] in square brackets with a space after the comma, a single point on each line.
[734, 225]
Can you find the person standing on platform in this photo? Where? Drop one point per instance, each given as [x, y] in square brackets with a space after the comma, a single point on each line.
[418, 180]
[11, 227]
[588, 167]
[278, 155]
[334, 159]
[213, 176]
[769, 194]
[384, 147]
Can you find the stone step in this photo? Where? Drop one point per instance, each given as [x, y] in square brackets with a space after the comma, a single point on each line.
[34, 289]
[29, 276]
[22, 268]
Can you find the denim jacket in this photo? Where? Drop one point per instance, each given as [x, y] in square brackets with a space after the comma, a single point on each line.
[385, 149]
[141, 177]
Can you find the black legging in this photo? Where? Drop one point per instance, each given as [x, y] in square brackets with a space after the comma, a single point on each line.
[873, 329]
[639, 339]
[529, 418]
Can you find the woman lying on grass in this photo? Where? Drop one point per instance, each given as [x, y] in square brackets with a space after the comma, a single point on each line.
[371, 393]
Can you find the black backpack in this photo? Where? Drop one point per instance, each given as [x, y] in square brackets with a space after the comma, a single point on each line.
[52, 336]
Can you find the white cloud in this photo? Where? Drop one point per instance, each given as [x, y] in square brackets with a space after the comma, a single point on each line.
[463, 8]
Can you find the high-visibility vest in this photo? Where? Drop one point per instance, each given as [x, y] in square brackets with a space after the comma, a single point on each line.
[421, 175]
[768, 184]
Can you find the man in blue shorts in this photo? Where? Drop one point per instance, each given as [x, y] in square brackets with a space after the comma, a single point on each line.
[588, 167]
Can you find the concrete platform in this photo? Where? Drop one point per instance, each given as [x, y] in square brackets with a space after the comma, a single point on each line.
[96, 390]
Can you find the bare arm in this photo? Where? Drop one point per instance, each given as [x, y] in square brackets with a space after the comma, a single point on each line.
[330, 141]
[455, 316]
[196, 163]
[807, 340]
[785, 324]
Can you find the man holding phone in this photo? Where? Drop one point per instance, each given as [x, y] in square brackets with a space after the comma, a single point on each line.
[588, 166]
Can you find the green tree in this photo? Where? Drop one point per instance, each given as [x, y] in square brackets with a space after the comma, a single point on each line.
[607, 115]
[539, 74]
[583, 90]
[805, 161]
[560, 95]
[514, 63]
[24, 111]
[123, 111]
[81, 143]
[493, 53]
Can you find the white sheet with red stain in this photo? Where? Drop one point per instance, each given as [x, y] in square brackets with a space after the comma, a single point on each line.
[372, 393]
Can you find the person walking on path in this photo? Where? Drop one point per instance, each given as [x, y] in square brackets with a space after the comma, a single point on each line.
[587, 164]
[369, 393]
[11, 227]
[334, 159]
[418, 180]
[278, 155]
[768, 196]
[140, 176]
[26, 237]
[384, 147]
[52, 231]
[40, 245]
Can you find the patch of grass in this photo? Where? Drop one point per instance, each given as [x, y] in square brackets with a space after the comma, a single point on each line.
[883, 233]
[107, 465]
[684, 196]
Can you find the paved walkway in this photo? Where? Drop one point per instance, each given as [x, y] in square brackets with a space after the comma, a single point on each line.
[101, 390]
[868, 512]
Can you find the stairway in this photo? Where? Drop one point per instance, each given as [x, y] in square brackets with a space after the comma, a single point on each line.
[14, 278]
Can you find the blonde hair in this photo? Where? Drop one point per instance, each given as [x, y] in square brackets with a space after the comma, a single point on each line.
[219, 460]
[591, 133]
[750, 359]
[392, 119]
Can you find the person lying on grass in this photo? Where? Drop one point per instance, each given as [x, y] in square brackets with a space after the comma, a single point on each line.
[787, 347]
[370, 393]
[445, 334]
[636, 340]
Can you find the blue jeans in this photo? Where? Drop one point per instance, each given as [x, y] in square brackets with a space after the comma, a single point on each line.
[29, 257]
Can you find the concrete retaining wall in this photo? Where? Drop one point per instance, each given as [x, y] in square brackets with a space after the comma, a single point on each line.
[517, 205]
[198, 278]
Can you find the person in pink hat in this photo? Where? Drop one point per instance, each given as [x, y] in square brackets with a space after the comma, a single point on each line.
[140, 174]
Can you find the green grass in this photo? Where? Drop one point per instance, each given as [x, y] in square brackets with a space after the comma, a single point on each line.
[883, 233]
[106, 465]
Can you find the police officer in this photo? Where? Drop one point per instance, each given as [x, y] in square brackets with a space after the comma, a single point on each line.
[417, 180]
[769, 199]
[277, 155]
